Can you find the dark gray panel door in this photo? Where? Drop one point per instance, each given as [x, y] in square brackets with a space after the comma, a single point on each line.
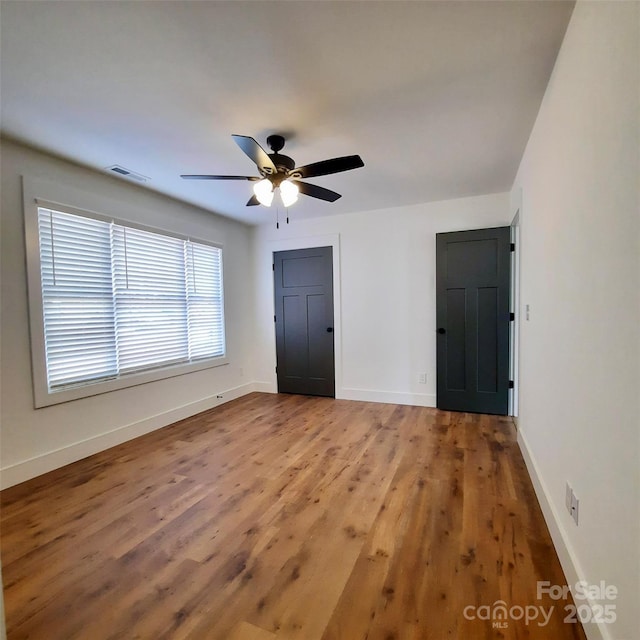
[472, 310]
[303, 282]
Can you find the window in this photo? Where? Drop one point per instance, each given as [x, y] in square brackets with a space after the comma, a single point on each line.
[119, 301]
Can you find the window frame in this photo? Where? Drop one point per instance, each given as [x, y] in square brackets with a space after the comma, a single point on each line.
[34, 192]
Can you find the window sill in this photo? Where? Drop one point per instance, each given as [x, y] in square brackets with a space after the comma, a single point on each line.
[46, 398]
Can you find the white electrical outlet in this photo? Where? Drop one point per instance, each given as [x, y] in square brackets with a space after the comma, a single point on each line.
[574, 508]
[571, 503]
[422, 378]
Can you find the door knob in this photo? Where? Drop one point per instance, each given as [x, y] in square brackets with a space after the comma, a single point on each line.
[329, 329]
[441, 330]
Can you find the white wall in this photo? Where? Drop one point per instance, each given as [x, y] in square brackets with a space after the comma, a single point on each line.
[580, 381]
[385, 299]
[35, 441]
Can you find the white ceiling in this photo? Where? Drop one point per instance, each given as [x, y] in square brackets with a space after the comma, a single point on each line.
[437, 97]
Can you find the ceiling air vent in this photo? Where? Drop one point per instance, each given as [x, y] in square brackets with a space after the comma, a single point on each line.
[122, 171]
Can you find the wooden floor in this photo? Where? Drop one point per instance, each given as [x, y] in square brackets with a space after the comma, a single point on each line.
[285, 517]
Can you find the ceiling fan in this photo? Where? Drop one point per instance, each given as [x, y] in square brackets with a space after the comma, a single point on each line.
[278, 171]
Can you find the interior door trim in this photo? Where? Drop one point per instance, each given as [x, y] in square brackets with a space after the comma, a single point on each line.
[514, 338]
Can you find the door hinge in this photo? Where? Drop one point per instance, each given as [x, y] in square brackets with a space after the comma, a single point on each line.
[276, 369]
[274, 319]
[510, 384]
[512, 317]
[273, 266]
[512, 246]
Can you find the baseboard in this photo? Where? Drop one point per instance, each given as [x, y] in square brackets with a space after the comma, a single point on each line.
[27, 469]
[390, 397]
[570, 564]
[265, 387]
[366, 395]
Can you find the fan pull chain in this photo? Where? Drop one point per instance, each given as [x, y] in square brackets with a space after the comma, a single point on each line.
[278, 216]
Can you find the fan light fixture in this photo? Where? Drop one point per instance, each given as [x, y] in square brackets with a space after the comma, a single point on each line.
[288, 193]
[264, 192]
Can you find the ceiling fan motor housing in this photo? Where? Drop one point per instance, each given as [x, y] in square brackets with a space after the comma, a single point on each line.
[282, 161]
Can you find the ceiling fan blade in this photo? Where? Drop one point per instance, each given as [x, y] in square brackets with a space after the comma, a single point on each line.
[253, 201]
[207, 177]
[256, 153]
[315, 191]
[325, 167]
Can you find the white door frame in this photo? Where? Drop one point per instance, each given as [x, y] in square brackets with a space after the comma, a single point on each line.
[514, 329]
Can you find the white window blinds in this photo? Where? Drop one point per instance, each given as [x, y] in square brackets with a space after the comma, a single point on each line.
[77, 299]
[204, 295]
[119, 300]
[150, 299]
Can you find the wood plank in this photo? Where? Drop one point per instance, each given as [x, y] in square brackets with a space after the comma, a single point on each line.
[246, 631]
